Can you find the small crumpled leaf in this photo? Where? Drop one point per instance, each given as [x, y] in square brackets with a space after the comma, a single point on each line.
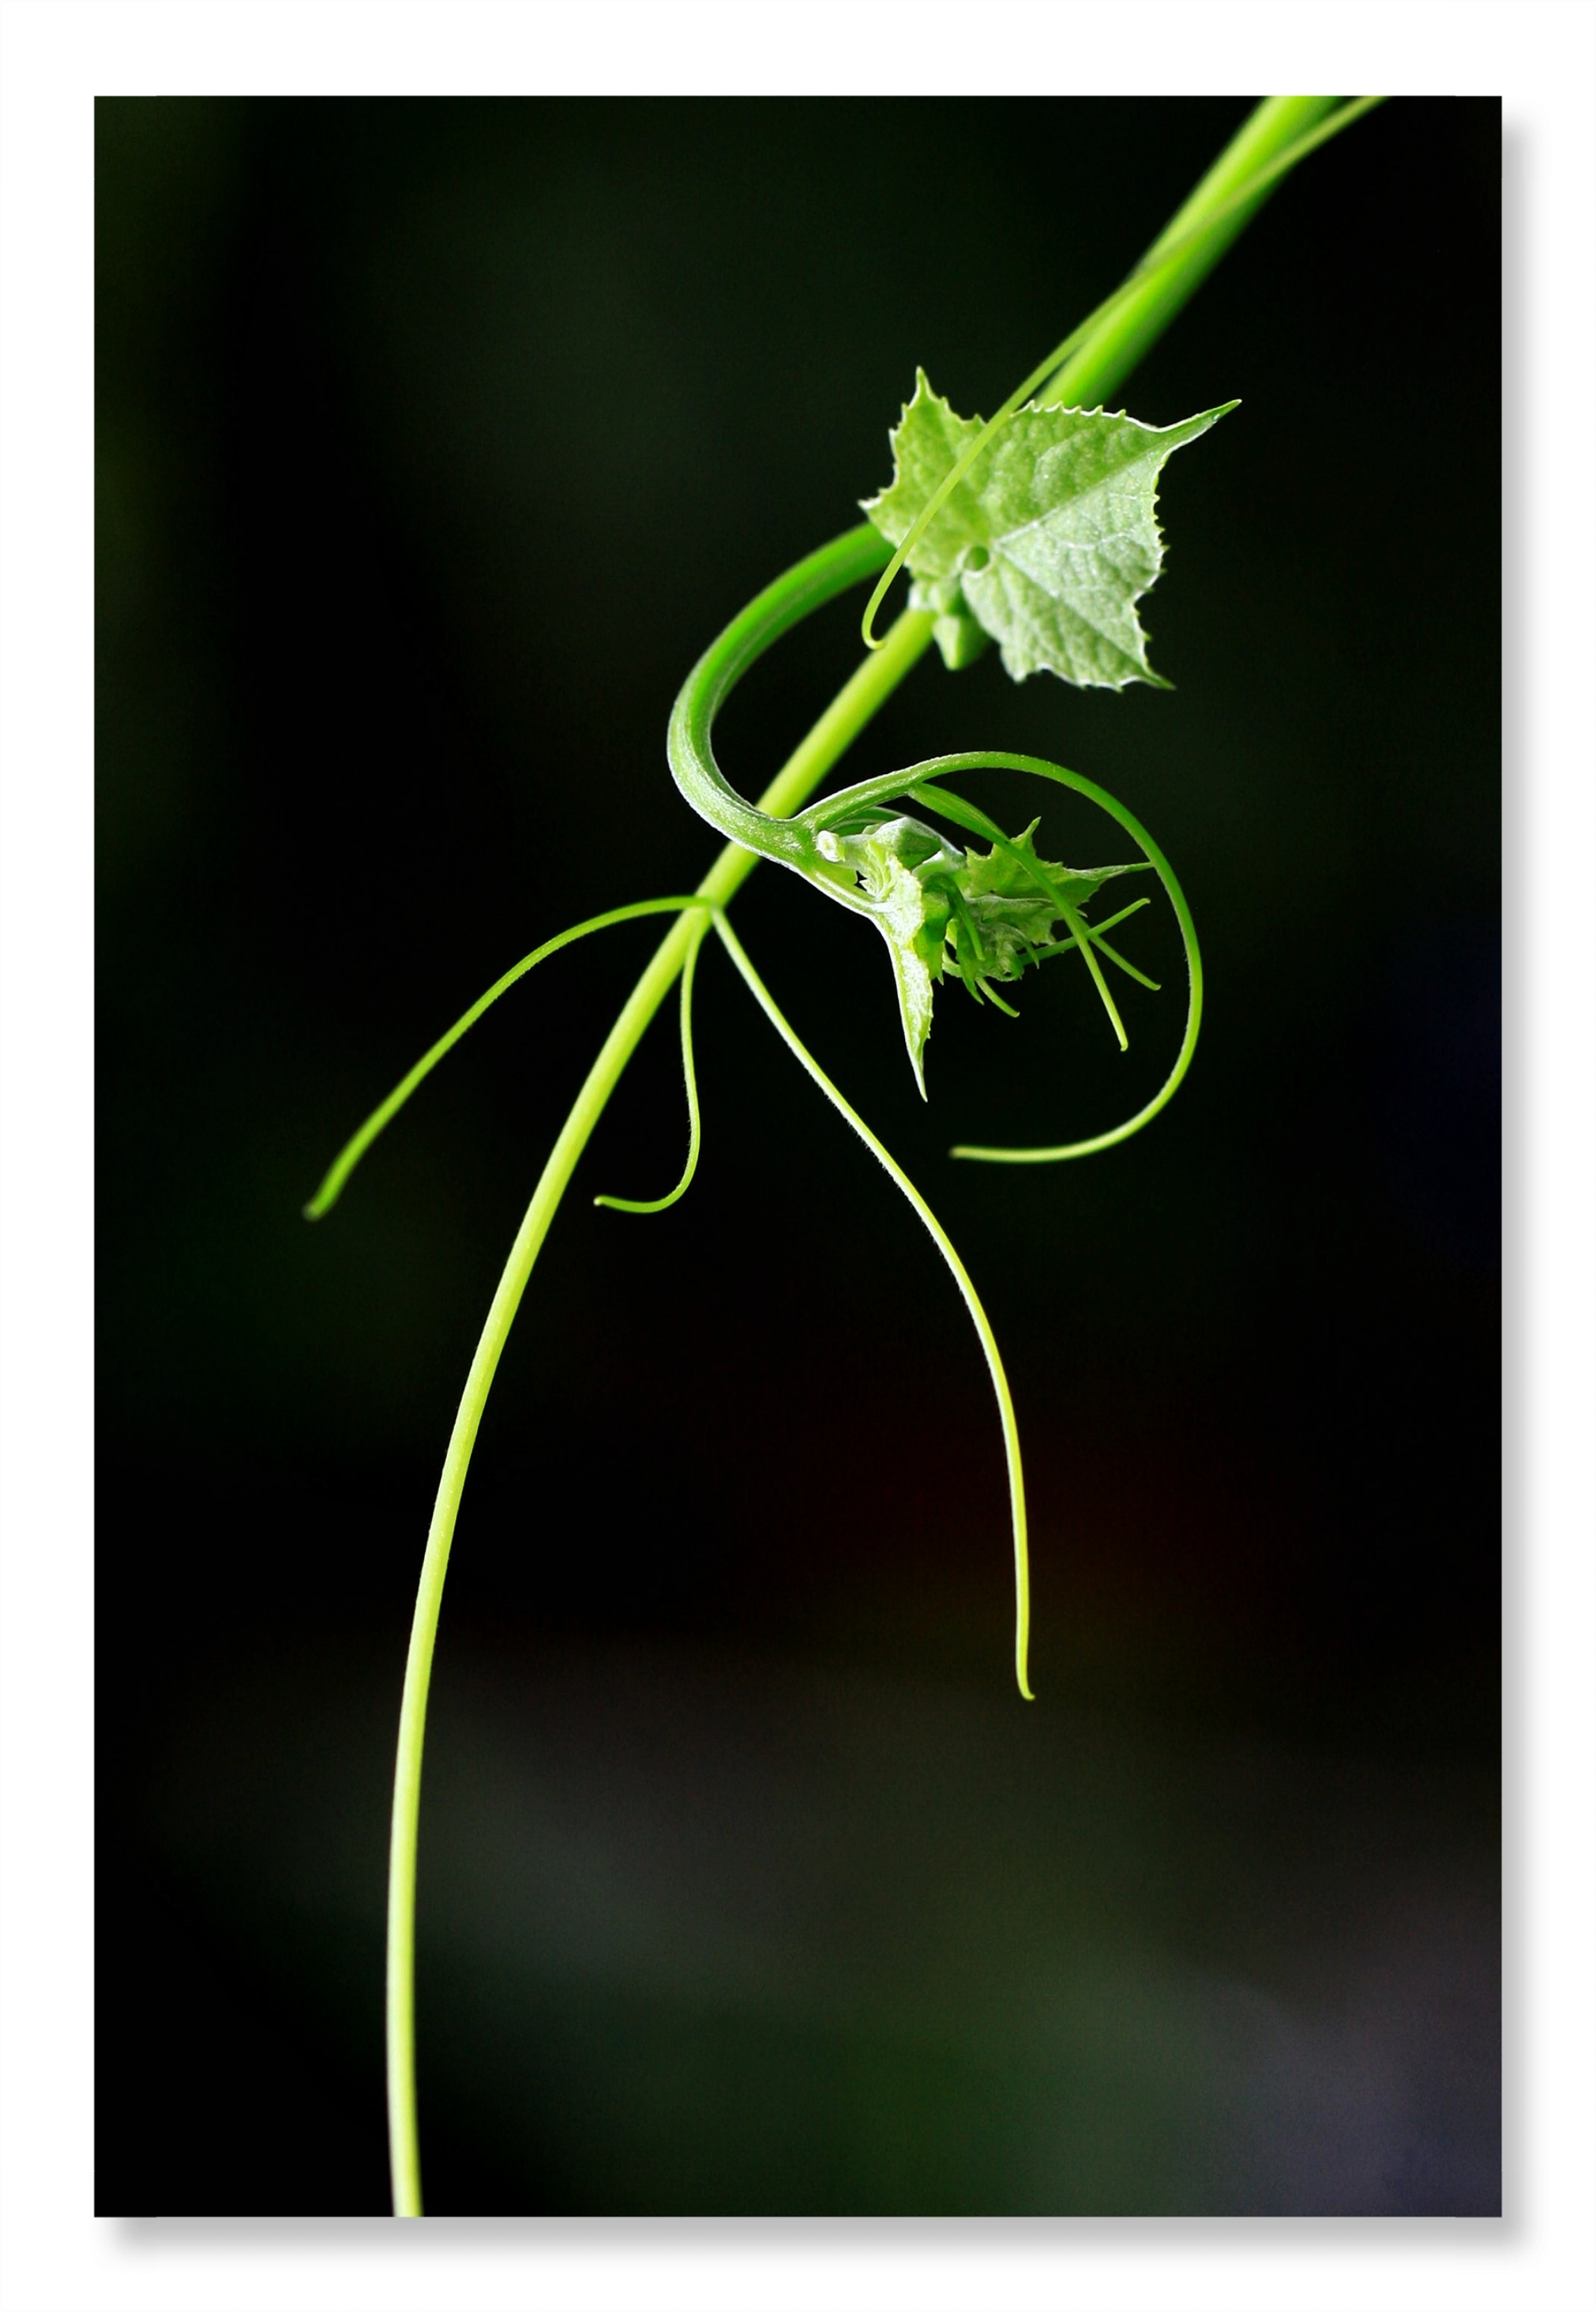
[910, 915]
[924, 895]
[1014, 914]
[1049, 542]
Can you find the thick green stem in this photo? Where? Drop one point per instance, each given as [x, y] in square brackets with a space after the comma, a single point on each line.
[1095, 368]
[1130, 326]
[853, 707]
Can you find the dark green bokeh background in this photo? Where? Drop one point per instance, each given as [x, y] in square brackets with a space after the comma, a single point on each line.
[435, 441]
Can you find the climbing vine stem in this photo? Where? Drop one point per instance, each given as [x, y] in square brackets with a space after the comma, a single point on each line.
[1086, 365]
[847, 713]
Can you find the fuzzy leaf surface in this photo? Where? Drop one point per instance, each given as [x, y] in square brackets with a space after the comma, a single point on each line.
[1051, 538]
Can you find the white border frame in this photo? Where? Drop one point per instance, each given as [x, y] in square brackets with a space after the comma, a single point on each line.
[1540, 56]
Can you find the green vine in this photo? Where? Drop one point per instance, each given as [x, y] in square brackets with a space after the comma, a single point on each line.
[1035, 531]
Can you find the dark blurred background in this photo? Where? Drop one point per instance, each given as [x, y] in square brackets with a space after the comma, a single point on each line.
[435, 442]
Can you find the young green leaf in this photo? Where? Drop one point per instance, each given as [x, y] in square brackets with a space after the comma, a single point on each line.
[910, 911]
[1012, 896]
[1047, 543]
[982, 917]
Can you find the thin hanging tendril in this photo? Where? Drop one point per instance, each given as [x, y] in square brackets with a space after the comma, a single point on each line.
[961, 1276]
[664, 1203]
[337, 1174]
